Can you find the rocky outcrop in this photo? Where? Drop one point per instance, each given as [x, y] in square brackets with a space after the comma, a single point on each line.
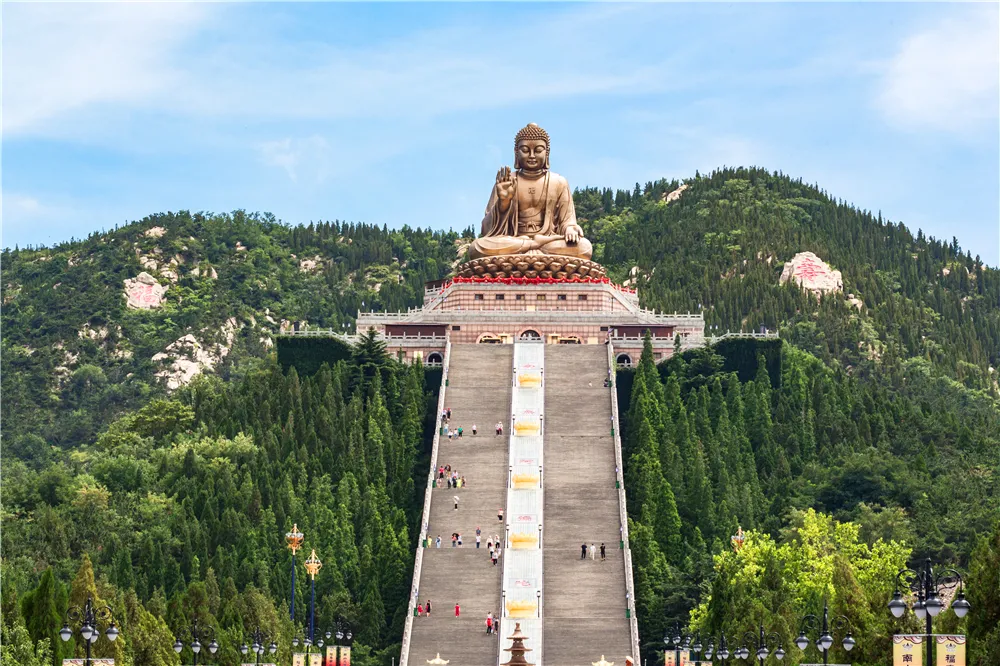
[155, 232]
[812, 273]
[188, 357]
[310, 265]
[144, 292]
[676, 194]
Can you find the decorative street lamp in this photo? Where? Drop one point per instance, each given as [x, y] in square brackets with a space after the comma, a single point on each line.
[343, 633]
[723, 653]
[810, 625]
[760, 640]
[259, 638]
[198, 634]
[925, 583]
[294, 541]
[677, 641]
[306, 643]
[88, 618]
[313, 565]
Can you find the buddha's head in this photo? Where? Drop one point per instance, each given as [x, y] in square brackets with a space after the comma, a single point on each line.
[531, 148]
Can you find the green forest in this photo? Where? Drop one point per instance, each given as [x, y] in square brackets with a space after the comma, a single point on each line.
[869, 438]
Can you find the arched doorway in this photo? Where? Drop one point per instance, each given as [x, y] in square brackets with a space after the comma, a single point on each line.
[435, 358]
[530, 335]
[624, 360]
[489, 339]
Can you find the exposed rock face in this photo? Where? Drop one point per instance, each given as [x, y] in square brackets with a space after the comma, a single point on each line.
[812, 273]
[210, 272]
[676, 194]
[310, 265]
[144, 292]
[155, 232]
[190, 357]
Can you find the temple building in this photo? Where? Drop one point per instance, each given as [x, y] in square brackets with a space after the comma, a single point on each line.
[500, 310]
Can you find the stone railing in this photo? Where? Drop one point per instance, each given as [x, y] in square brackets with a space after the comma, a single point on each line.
[389, 339]
[622, 509]
[489, 314]
[769, 335]
[322, 333]
[425, 516]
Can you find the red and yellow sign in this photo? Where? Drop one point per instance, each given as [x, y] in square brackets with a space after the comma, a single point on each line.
[685, 659]
[950, 650]
[345, 655]
[906, 650]
[299, 659]
[331, 655]
[670, 658]
[315, 659]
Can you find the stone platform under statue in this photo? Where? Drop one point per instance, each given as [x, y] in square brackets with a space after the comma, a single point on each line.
[559, 267]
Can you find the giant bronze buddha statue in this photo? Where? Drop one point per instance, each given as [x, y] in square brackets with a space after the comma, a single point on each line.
[531, 208]
[530, 224]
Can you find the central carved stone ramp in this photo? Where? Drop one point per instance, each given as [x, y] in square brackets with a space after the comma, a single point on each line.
[584, 610]
[478, 392]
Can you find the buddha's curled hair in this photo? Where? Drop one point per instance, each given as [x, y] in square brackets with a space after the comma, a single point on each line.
[531, 132]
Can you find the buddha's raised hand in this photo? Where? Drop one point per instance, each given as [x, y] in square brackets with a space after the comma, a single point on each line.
[505, 185]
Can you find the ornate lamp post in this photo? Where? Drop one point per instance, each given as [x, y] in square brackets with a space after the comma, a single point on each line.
[259, 638]
[313, 565]
[810, 626]
[88, 617]
[723, 653]
[760, 640]
[198, 634]
[925, 583]
[294, 541]
[677, 641]
[343, 633]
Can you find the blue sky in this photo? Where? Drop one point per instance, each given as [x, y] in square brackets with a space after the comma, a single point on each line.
[402, 113]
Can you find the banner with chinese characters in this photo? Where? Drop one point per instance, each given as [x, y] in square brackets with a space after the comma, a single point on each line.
[670, 658]
[906, 650]
[345, 655]
[685, 659]
[950, 650]
[331, 655]
[316, 659]
[299, 659]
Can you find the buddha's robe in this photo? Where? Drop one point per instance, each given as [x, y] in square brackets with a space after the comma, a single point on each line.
[534, 222]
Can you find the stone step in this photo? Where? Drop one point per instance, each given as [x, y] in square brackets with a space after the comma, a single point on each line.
[478, 391]
[582, 640]
[585, 600]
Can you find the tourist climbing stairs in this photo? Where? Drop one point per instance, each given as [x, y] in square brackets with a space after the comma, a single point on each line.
[478, 391]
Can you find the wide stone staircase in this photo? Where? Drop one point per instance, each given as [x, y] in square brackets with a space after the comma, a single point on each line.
[584, 611]
[478, 392]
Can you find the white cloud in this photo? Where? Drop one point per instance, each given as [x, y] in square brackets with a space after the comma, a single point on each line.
[945, 77]
[61, 57]
[22, 205]
[62, 62]
[308, 157]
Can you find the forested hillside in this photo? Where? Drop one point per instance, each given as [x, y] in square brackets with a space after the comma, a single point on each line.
[877, 440]
[721, 245]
